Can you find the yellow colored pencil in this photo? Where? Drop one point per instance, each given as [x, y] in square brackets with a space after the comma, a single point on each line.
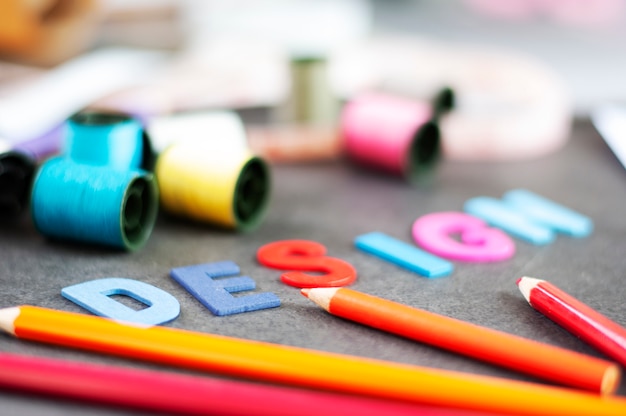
[302, 367]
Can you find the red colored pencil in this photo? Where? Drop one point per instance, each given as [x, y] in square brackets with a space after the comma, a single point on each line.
[578, 318]
[542, 360]
[188, 395]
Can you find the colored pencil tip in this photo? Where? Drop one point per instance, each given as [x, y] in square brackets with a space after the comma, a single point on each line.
[305, 292]
[526, 284]
[7, 319]
[518, 281]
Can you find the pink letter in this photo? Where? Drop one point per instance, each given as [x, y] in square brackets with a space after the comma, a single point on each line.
[476, 242]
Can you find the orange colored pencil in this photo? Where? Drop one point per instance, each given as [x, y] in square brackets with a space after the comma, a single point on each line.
[302, 367]
[521, 354]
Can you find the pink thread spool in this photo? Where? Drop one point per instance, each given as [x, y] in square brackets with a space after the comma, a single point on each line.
[395, 134]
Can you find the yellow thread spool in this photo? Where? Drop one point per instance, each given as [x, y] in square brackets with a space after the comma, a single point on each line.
[225, 186]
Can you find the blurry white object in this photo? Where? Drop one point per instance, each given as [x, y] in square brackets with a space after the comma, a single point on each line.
[222, 128]
[48, 101]
[224, 73]
[237, 53]
[303, 27]
[4, 146]
[125, 7]
[14, 76]
[508, 106]
[610, 121]
[141, 23]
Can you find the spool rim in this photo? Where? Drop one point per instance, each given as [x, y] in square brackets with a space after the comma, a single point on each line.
[444, 101]
[97, 118]
[138, 211]
[251, 195]
[424, 153]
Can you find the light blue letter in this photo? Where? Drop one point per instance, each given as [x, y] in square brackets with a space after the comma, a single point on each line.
[95, 296]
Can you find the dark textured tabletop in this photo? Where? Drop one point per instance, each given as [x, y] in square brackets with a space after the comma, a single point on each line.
[332, 203]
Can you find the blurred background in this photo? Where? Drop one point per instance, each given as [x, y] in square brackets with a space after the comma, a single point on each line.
[568, 55]
[583, 41]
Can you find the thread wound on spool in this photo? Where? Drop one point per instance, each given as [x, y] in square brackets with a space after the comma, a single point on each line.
[111, 139]
[392, 133]
[223, 186]
[96, 204]
[16, 173]
[312, 99]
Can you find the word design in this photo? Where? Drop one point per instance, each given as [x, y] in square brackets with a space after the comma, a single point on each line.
[520, 213]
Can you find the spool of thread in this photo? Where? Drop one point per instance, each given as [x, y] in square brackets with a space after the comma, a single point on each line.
[312, 99]
[392, 133]
[507, 106]
[105, 139]
[95, 204]
[225, 186]
[16, 174]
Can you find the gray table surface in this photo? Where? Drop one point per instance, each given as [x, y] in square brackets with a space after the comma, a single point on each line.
[332, 203]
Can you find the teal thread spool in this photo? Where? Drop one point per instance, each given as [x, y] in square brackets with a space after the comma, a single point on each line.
[105, 139]
[95, 204]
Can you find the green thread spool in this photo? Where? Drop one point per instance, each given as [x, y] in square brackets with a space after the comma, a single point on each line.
[312, 99]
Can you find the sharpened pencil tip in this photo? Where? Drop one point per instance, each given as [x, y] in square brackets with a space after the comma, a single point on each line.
[7, 319]
[526, 284]
[320, 295]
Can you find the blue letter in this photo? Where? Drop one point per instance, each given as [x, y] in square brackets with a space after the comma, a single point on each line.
[529, 216]
[403, 254]
[95, 297]
[200, 281]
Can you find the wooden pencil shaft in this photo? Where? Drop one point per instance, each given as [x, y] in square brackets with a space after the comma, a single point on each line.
[106, 385]
[187, 395]
[580, 319]
[521, 354]
[302, 367]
